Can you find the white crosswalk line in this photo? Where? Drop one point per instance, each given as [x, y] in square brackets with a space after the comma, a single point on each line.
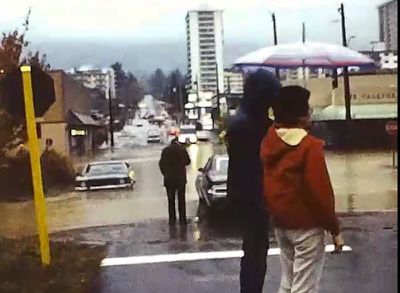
[190, 256]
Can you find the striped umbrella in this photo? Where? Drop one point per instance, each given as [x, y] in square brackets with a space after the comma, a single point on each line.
[305, 54]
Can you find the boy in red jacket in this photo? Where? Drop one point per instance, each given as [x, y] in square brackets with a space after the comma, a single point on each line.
[298, 192]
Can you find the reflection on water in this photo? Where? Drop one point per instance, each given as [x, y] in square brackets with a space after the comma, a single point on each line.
[350, 203]
[361, 181]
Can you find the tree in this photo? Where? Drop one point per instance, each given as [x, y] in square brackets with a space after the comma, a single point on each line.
[176, 89]
[158, 84]
[120, 78]
[133, 91]
[129, 89]
[12, 46]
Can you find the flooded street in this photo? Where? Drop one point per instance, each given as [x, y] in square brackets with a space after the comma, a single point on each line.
[363, 181]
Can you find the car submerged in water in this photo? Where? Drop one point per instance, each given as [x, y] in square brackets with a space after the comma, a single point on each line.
[105, 175]
[211, 183]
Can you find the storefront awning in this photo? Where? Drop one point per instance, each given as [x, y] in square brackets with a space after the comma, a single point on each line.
[76, 118]
[367, 111]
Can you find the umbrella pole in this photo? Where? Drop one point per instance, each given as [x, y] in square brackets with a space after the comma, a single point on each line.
[305, 78]
[304, 74]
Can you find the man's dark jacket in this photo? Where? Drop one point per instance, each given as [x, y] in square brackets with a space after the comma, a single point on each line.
[244, 136]
[173, 162]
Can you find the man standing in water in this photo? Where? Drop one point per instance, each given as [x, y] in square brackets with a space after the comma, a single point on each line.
[173, 162]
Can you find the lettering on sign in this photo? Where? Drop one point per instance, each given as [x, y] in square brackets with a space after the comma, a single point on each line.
[377, 96]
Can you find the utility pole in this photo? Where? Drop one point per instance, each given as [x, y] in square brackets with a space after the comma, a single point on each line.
[275, 40]
[181, 98]
[218, 105]
[303, 38]
[198, 95]
[228, 79]
[345, 69]
[111, 119]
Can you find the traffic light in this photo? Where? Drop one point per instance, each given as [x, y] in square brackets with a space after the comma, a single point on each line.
[12, 92]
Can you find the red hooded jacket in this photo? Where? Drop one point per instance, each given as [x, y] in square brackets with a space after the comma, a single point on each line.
[297, 186]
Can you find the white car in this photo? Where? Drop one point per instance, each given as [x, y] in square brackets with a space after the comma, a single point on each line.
[187, 134]
[203, 134]
[154, 134]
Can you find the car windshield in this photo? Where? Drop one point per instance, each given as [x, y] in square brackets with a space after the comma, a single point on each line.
[107, 169]
[221, 165]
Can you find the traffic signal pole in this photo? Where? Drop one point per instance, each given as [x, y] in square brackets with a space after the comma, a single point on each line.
[34, 155]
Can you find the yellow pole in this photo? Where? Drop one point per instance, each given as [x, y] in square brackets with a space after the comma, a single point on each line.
[34, 150]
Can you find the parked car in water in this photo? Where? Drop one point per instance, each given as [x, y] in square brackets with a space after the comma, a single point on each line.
[105, 175]
[212, 179]
[187, 134]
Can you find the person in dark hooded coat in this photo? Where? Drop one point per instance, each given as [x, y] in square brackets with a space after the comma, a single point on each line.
[245, 175]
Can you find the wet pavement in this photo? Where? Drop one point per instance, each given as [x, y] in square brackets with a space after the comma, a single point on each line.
[363, 181]
[370, 267]
[133, 223]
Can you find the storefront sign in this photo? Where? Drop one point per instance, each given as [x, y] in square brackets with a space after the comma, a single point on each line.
[376, 97]
[78, 132]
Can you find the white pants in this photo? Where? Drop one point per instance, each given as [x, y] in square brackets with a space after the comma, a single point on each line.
[302, 259]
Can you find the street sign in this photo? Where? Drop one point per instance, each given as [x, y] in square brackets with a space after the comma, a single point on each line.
[391, 127]
[13, 95]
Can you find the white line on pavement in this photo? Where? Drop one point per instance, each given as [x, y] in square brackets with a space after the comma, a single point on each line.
[143, 160]
[191, 256]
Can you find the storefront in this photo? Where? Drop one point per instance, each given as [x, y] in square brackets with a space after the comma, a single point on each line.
[81, 129]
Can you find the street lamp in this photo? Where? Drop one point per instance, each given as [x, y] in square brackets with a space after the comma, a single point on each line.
[351, 38]
[373, 43]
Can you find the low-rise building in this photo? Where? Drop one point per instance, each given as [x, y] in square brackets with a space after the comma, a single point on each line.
[103, 79]
[234, 82]
[67, 126]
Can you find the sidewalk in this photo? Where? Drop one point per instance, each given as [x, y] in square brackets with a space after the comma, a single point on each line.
[370, 268]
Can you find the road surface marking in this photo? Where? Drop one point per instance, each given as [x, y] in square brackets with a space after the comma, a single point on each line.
[143, 160]
[190, 256]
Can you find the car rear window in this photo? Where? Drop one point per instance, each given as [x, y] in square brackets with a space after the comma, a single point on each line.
[221, 165]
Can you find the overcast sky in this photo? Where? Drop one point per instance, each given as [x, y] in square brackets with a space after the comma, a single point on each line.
[153, 21]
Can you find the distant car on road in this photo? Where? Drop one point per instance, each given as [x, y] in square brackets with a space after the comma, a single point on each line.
[105, 175]
[212, 180]
[202, 133]
[187, 134]
[154, 134]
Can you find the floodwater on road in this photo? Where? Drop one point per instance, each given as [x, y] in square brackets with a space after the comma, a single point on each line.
[363, 181]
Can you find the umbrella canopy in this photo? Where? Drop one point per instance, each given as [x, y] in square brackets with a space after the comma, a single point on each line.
[307, 54]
